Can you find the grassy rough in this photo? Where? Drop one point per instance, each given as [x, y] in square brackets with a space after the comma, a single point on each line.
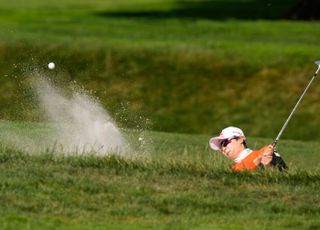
[155, 194]
[188, 73]
[177, 184]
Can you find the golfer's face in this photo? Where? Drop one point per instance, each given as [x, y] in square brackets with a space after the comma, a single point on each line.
[232, 147]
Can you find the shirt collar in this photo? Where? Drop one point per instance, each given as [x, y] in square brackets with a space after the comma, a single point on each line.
[243, 155]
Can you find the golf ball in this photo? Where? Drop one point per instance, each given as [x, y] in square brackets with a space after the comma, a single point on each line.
[51, 65]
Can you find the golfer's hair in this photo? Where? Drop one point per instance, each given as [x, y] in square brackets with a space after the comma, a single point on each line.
[245, 144]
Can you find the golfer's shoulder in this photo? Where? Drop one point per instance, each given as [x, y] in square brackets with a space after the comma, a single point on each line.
[261, 150]
[253, 157]
[257, 152]
[248, 163]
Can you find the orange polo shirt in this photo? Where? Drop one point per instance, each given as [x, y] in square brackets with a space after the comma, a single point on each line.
[251, 161]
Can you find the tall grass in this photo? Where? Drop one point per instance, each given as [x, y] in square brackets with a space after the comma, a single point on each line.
[173, 181]
[177, 184]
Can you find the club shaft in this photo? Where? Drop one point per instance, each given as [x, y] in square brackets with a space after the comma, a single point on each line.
[295, 107]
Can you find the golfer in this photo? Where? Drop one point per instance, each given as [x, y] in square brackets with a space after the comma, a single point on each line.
[232, 143]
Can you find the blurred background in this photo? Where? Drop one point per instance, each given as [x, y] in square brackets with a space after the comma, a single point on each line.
[184, 66]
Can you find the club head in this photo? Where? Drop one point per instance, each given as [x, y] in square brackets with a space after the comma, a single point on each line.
[317, 62]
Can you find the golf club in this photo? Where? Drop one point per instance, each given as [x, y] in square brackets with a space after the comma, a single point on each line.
[295, 107]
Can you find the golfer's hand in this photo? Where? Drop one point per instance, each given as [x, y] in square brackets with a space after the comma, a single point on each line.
[267, 155]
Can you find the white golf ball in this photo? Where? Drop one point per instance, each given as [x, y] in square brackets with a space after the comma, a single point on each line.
[51, 65]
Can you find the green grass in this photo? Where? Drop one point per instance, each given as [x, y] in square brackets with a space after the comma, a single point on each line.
[185, 74]
[177, 184]
[180, 68]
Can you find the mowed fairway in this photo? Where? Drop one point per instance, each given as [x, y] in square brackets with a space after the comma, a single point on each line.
[181, 72]
[185, 73]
